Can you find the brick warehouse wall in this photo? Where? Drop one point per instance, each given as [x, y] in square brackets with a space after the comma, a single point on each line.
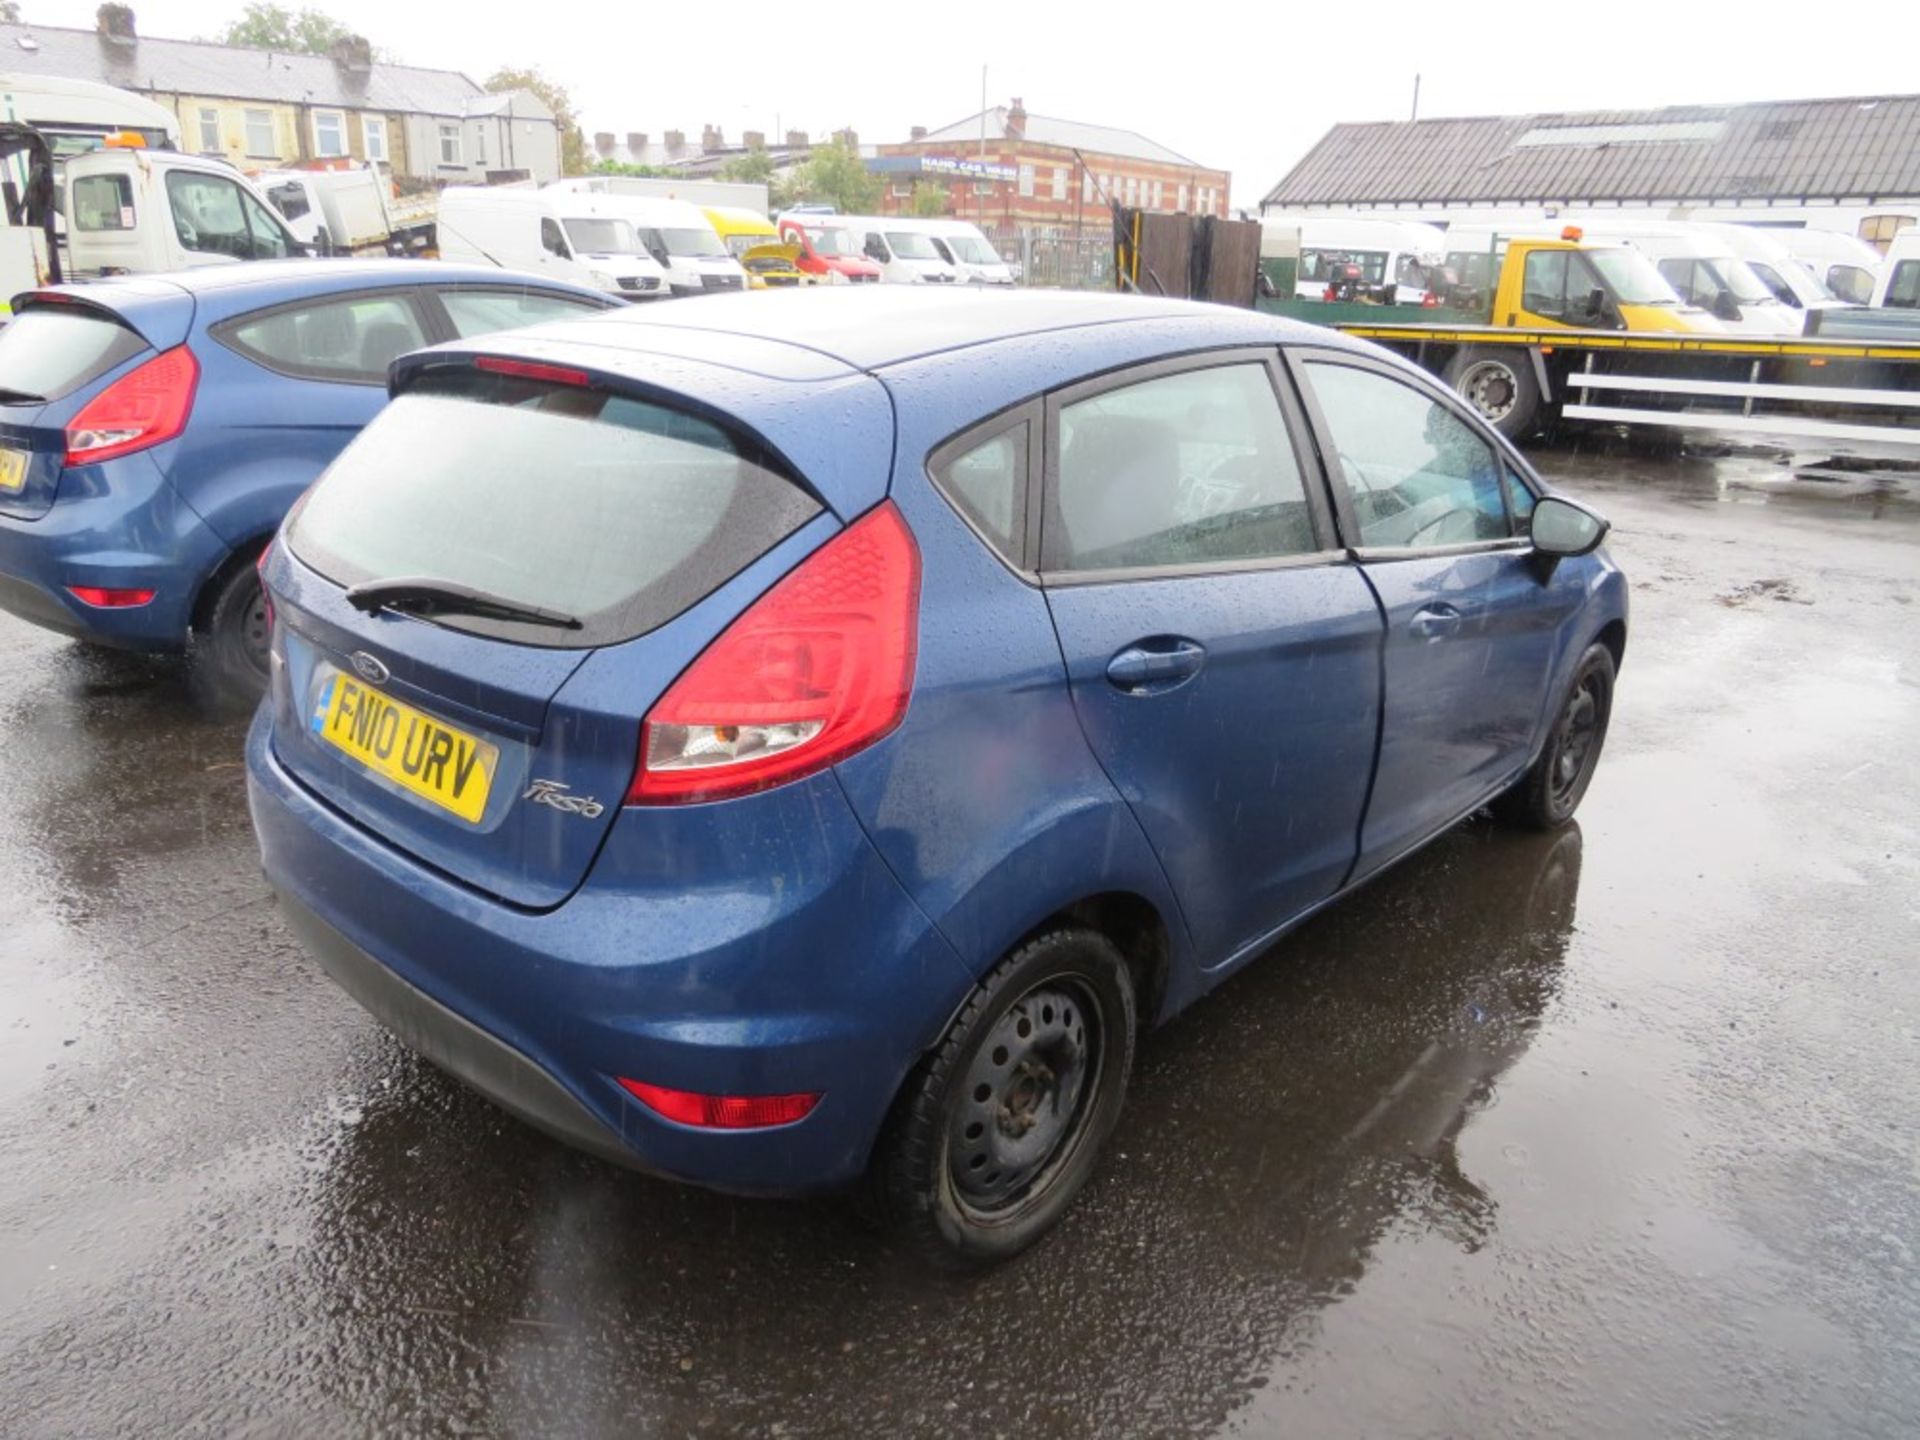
[1064, 195]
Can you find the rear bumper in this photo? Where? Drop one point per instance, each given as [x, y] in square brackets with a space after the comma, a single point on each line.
[120, 526]
[682, 961]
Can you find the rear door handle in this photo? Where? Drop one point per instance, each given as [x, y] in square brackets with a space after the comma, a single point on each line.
[1434, 622]
[1154, 665]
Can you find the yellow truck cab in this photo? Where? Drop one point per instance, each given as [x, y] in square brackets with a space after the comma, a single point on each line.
[752, 240]
[1572, 283]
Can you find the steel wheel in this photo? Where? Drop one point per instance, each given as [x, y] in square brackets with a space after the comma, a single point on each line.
[1491, 387]
[1024, 1100]
[1575, 741]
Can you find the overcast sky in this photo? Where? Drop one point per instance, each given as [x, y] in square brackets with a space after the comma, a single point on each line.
[1245, 87]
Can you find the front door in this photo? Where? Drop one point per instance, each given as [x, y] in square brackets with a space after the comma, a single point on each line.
[1470, 614]
[1224, 658]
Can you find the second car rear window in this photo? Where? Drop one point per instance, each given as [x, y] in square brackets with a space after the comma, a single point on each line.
[50, 351]
[619, 511]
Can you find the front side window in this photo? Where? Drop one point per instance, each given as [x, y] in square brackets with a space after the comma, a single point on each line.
[551, 240]
[450, 145]
[1903, 291]
[353, 339]
[1417, 474]
[482, 312]
[1684, 277]
[260, 141]
[1186, 469]
[988, 484]
[101, 202]
[329, 134]
[1543, 282]
[207, 217]
[618, 511]
[210, 131]
[910, 245]
[602, 235]
[374, 128]
[1852, 283]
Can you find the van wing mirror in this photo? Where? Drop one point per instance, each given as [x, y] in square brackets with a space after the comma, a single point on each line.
[1563, 528]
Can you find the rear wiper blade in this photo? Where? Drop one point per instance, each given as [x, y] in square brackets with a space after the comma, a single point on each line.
[20, 397]
[420, 595]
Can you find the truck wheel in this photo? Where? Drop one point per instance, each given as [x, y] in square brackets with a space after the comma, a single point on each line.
[1500, 386]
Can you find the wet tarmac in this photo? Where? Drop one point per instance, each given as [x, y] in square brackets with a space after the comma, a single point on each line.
[1604, 1133]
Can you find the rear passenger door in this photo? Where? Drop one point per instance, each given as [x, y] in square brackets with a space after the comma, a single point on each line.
[1223, 655]
[1437, 517]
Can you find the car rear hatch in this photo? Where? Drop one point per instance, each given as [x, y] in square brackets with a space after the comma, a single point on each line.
[61, 349]
[499, 746]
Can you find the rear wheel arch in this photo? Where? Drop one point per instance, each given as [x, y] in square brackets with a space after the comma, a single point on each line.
[246, 553]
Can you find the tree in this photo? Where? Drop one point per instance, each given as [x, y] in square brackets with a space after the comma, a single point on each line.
[10, 12]
[573, 142]
[756, 166]
[837, 174]
[266, 26]
[930, 200]
[623, 167]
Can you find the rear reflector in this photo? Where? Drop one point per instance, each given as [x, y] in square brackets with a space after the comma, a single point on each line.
[818, 667]
[721, 1112]
[102, 598]
[144, 407]
[532, 370]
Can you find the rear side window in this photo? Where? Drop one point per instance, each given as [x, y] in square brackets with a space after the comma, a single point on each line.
[987, 483]
[618, 511]
[102, 202]
[353, 339]
[50, 351]
[1187, 469]
[481, 312]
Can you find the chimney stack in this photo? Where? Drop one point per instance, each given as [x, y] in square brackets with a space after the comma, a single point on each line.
[603, 143]
[115, 24]
[797, 140]
[637, 141]
[919, 133]
[710, 139]
[848, 138]
[1017, 119]
[352, 53]
[676, 141]
[754, 139]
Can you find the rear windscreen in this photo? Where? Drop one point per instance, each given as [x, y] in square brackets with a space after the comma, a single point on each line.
[617, 511]
[50, 351]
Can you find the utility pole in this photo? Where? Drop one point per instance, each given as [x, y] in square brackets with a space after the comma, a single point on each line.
[1416, 96]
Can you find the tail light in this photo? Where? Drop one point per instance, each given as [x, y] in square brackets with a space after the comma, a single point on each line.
[721, 1112]
[819, 667]
[103, 597]
[144, 407]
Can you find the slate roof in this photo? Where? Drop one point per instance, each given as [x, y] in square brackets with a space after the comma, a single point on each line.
[195, 67]
[1069, 134]
[1786, 149]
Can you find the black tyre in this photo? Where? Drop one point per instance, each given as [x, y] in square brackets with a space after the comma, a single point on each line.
[996, 1131]
[1549, 793]
[231, 643]
[1500, 385]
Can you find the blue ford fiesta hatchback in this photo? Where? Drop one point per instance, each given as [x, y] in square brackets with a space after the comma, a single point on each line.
[153, 431]
[805, 741]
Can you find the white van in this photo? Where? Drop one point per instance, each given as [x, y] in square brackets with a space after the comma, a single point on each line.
[1845, 264]
[76, 115]
[683, 242]
[963, 246]
[587, 239]
[1899, 285]
[1702, 268]
[1792, 283]
[905, 254]
[1396, 253]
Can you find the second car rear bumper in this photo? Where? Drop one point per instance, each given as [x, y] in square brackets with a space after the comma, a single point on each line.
[716, 975]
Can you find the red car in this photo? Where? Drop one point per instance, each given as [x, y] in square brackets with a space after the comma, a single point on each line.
[829, 255]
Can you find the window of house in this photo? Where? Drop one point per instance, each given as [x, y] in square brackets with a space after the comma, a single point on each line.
[1159, 196]
[450, 145]
[1185, 469]
[1026, 181]
[210, 131]
[983, 187]
[902, 189]
[329, 134]
[1086, 187]
[1130, 195]
[480, 145]
[101, 202]
[1416, 473]
[1060, 178]
[1181, 203]
[374, 130]
[260, 142]
[1879, 230]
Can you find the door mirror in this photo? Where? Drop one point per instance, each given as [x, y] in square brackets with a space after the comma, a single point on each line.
[1592, 309]
[1563, 529]
[1725, 307]
[876, 249]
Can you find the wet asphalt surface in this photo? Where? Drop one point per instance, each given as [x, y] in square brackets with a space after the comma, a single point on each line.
[1604, 1133]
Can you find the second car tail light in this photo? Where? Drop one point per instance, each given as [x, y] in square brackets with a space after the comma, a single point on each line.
[818, 667]
[144, 407]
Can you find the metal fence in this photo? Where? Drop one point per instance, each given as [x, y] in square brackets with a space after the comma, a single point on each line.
[1069, 260]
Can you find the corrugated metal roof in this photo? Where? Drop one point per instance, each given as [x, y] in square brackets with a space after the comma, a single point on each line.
[192, 67]
[1785, 149]
[1068, 134]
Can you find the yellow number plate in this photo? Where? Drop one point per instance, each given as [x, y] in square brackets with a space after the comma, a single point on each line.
[13, 470]
[422, 755]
